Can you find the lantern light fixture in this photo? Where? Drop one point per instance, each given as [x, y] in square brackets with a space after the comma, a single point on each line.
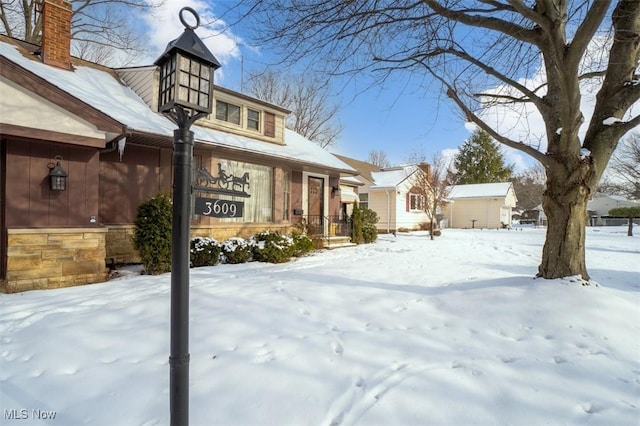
[186, 71]
[57, 175]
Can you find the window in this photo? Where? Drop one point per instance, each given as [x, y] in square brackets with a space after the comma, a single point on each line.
[227, 112]
[416, 202]
[253, 119]
[364, 200]
[270, 124]
[258, 208]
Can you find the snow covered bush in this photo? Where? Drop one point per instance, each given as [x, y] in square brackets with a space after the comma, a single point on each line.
[152, 234]
[302, 244]
[204, 252]
[272, 247]
[236, 250]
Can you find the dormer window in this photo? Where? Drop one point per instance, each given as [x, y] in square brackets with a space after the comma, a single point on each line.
[253, 119]
[228, 112]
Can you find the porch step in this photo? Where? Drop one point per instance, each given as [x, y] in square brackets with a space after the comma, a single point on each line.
[337, 242]
[333, 246]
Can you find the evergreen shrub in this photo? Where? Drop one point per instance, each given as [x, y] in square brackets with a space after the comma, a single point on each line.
[369, 220]
[302, 244]
[152, 234]
[236, 250]
[356, 225]
[272, 247]
[204, 252]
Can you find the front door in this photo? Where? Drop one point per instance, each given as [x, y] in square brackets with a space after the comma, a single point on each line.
[315, 200]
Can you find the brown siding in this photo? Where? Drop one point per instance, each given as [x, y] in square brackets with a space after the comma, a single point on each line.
[296, 192]
[143, 173]
[30, 202]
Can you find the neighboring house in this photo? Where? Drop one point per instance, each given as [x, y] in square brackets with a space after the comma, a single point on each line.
[534, 216]
[388, 192]
[102, 126]
[600, 204]
[484, 205]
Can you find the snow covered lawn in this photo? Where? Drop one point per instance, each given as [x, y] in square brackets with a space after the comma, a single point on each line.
[406, 331]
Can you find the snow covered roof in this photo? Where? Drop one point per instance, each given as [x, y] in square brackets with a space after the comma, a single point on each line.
[480, 190]
[102, 91]
[351, 180]
[391, 178]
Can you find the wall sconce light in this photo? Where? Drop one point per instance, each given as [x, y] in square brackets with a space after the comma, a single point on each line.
[335, 190]
[57, 175]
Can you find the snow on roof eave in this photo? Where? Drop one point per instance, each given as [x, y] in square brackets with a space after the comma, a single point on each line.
[105, 93]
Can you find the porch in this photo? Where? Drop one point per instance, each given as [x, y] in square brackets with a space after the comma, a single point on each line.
[326, 231]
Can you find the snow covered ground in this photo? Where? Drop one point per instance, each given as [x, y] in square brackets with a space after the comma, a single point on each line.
[406, 331]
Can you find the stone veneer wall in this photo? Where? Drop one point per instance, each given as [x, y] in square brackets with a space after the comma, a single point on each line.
[54, 257]
[120, 245]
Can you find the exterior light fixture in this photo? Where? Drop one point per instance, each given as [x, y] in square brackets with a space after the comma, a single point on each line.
[185, 95]
[57, 175]
[186, 71]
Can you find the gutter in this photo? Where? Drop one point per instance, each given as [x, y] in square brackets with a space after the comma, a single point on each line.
[117, 142]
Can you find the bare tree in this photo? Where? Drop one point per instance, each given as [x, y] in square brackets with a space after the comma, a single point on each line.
[625, 168]
[529, 186]
[100, 30]
[479, 51]
[431, 183]
[313, 114]
[379, 158]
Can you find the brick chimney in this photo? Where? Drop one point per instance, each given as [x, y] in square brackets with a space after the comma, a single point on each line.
[56, 33]
[426, 168]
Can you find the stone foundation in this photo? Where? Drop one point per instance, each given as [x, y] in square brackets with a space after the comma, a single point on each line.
[54, 257]
[120, 245]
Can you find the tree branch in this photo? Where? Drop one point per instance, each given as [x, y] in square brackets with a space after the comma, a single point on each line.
[516, 31]
[586, 31]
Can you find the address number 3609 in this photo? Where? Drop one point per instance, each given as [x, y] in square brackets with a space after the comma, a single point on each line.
[218, 208]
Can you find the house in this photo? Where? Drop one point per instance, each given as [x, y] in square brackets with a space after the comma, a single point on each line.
[600, 204]
[535, 216]
[101, 128]
[390, 193]
[483, 205]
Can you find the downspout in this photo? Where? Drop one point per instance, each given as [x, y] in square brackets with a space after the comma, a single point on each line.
[388, 211]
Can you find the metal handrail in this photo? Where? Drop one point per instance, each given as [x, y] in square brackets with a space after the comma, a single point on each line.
[326, 226]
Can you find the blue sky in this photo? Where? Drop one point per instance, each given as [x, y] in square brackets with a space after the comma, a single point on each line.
[398, 118]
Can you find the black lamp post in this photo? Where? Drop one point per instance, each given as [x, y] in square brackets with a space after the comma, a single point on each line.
[186, 94]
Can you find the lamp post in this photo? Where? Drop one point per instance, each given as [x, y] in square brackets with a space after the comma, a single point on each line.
[186, 94]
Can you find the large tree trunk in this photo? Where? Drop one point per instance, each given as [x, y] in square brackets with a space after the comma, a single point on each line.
[565, 204]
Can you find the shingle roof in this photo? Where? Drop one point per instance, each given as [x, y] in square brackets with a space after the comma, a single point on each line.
[365, 169]
[101, 90]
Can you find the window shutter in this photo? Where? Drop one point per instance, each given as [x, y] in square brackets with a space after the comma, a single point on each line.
[408, 201]
[269, 124]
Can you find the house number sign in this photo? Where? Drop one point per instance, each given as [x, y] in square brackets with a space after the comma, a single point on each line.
[218, 208]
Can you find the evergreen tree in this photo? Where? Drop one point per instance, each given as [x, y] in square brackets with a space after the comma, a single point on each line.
[480, 160]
